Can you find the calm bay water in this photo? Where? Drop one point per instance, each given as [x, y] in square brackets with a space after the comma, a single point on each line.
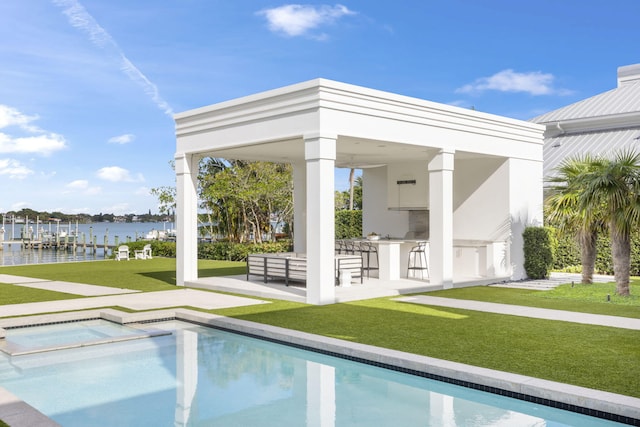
[15, 254]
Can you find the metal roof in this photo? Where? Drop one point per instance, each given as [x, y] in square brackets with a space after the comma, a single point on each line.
[621, 100]
[605, 142]
[603, 124]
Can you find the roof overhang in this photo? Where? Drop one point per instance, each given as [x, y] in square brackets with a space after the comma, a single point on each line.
[371, 127]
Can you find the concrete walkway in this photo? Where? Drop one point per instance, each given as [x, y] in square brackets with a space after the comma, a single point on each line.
[518, 310]
[103, 296]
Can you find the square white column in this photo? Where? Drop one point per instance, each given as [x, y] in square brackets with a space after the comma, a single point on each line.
[320, 156]
[186, 375]
[299, 207]
[186, 218]
[441, 219]
[525, 207]
[321, 395]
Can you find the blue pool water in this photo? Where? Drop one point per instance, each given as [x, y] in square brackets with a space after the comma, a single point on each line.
[199, 376]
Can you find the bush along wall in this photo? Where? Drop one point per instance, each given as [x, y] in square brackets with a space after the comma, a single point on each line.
[348, 224]
[539, 248]
[224, 251]
[568, 254]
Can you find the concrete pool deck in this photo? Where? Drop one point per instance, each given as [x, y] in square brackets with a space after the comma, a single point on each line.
[567, 396]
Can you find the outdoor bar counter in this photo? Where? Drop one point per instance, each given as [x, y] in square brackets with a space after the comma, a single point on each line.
[393, 256]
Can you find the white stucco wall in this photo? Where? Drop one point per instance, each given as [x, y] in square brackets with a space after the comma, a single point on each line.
[480, 199]
[525, 206]
[376, 215]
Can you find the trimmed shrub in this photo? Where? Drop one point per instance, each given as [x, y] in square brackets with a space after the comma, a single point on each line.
[539, 243]
[224, 251]
[228, 251]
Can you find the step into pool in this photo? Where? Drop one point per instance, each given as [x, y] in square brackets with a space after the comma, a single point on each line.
[58, 336]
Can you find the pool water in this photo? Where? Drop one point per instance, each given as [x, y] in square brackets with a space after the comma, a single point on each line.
[199, 376]
[27, 340]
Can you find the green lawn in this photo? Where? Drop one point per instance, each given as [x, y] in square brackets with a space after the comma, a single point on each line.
[589, 356]
[582, 298]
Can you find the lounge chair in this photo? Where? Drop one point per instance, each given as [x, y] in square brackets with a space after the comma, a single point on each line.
[122, 253]
[144, 253]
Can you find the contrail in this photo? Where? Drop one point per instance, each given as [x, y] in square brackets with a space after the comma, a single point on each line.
[81, 19]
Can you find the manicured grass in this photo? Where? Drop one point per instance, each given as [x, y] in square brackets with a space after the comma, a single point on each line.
[11, 294]
[157, 274]
[589, 356]
[580, 298]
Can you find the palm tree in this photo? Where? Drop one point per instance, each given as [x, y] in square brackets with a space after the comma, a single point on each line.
[610, 188]
[351, 181]
[562, 211]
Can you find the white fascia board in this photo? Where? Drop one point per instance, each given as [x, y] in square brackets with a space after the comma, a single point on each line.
[378, 104]
[591, 124]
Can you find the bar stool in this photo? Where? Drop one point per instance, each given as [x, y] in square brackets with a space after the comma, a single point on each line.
[418, 254]
[371, 252]
[350, 247]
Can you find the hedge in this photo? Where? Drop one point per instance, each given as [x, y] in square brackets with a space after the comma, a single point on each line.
[539, 248]
[225, 251]
[348, 224]
[568, 254]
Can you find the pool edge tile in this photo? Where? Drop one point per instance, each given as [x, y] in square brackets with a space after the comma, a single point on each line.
[18, 413]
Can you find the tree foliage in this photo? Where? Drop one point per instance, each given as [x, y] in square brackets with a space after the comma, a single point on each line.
[563, 212]
[607, 190]
[246, 199]
[344, 199]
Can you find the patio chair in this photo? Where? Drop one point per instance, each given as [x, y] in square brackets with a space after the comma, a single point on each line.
[418, 260]
[144, 253]
[369, 252]
[122, 253]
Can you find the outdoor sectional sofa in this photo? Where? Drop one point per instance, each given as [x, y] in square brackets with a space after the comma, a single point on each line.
[290, 266]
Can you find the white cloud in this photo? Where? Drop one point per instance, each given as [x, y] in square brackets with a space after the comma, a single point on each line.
[44, 145]
[81, 19]
[11, 117]
[297, 20]
[36, 141]
[534, 83]
[118, 209]
[78, 184]
[82, 186]
[19, 206]
[14, 169]
[122, 139]
[118, 174]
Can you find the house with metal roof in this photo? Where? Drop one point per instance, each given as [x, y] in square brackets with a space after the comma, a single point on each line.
[602, 124]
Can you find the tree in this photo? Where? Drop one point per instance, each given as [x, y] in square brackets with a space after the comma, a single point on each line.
[350, 199]
[352, 172]
[562, 210]
[610, 188]
[247, 199]
[166, 196]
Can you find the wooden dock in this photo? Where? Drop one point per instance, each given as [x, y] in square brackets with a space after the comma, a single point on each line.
[66, 244]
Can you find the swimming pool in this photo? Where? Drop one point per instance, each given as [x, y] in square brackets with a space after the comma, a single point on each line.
[199, 376]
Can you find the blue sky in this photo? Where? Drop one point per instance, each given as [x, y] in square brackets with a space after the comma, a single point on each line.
[88, 87]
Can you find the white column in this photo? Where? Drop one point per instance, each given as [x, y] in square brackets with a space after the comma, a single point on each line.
[320, 155]
[525, 207]
[186, 218]
[441, 219]
[300, 207]
[186, 374]
[321, 395]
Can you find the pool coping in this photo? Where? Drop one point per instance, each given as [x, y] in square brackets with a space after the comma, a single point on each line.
[597, 403]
